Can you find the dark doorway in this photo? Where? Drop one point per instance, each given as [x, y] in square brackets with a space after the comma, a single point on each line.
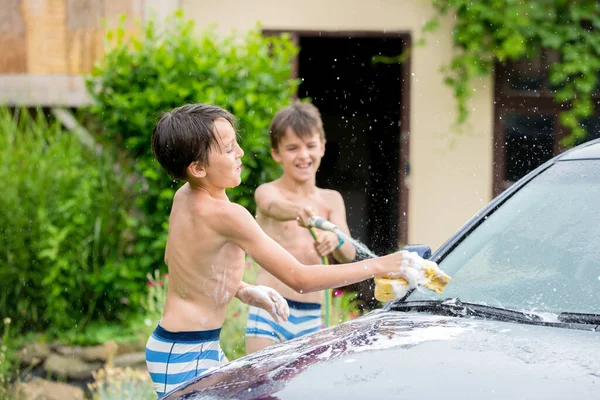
[360, 103]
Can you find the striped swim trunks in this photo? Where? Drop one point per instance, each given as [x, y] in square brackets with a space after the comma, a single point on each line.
[174, 358]
[304, 318]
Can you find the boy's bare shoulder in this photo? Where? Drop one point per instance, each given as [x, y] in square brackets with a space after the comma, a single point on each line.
[233, 212]
[332, 197]
[223, 217]
[266, 188]
[267, 192]
[180, 193]
[226, 210]
[209, 209]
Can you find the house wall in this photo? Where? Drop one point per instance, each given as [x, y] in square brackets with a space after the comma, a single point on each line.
[53, 42]
[451, 173]
[49, 44]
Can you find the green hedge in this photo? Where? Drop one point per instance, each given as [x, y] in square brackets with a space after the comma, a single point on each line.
[171, 65]
[62, 209]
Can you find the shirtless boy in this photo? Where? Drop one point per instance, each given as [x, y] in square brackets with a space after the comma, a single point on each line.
[208, 236]
[298, 144]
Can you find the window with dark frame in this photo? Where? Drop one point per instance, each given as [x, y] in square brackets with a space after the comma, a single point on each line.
[527, 131]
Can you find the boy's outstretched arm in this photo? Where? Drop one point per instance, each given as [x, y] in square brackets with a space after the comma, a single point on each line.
[266, 298]
[236, 224]
[270, 202]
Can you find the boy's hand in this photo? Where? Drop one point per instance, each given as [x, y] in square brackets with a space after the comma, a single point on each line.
[304, 214]
[403, 264]
[266, 298]
[326, 243]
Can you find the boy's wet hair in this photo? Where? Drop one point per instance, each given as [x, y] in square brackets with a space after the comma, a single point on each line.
[303, 119]
[186, 135]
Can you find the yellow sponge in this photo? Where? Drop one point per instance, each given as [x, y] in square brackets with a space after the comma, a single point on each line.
[387, 289]
[433, 278]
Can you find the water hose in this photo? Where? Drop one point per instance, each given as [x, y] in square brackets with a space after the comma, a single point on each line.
[325, 225]
[324, 261]
[387, 289]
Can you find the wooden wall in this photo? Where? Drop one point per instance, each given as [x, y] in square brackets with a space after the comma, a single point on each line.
[66, 37]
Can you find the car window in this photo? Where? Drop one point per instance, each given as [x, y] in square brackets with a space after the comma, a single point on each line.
[539, 251]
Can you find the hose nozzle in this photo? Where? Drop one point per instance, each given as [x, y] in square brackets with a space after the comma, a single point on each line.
[322, 223]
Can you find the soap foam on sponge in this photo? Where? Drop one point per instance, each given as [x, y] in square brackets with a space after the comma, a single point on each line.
[418, 272]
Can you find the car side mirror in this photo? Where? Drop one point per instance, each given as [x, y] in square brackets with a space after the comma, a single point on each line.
[422, 250]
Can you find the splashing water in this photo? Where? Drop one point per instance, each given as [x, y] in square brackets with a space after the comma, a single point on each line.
[360, 248]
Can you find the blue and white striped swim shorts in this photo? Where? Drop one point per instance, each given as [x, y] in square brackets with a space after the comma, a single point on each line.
[174, 358]
[304, 318]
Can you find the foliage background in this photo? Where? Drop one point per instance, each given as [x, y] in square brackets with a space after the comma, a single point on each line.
[63, 219]
[169, 66]
[489, 32]
[80, 229]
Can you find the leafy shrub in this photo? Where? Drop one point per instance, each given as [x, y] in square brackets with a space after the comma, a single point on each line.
[120, 384]
[169, 66]
[61, 213]
[233, 332]
[8, 361]
[153, 303]
[156, 296]
[345, 306]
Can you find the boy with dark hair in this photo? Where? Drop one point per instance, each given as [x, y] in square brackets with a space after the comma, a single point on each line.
[208, 236]
[298, 144]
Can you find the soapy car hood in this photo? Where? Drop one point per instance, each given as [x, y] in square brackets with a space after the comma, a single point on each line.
[415, 355]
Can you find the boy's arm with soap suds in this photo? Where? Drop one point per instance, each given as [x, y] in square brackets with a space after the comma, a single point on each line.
[264, 297]
[239, 227]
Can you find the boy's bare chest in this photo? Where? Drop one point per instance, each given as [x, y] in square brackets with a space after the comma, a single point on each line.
[318, 202]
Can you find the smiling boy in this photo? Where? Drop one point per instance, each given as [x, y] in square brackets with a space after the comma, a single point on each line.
[298, 144]
[206, 245]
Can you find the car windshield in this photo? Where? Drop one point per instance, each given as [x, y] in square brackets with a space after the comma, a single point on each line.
[540, 251]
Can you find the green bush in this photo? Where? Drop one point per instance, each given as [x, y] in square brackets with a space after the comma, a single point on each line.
[121, 383]
[61, 213]
[169, 66]
[8, 361]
